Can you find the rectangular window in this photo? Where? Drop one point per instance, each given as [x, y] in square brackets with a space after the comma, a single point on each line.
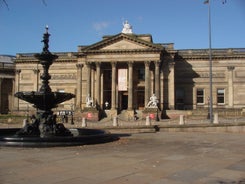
[141, 74]
[200, 96]
[221, 96]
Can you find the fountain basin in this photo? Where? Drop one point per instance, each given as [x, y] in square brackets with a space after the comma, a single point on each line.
[81, 136]
[44, 101]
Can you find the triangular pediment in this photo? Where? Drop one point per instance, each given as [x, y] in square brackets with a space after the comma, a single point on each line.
[122, 42]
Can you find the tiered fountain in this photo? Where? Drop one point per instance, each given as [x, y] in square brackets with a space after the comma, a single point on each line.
[44, 130]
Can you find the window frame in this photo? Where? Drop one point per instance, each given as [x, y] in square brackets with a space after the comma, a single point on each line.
[199, 96]
[141, 74]
[220, 96]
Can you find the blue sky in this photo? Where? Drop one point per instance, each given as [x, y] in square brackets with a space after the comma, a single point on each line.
[84, 22]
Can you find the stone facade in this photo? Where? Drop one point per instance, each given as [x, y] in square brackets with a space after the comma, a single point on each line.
[192, 74]
[6, 83]
[124, 70]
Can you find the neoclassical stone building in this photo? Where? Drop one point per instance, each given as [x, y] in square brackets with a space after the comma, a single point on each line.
[123, 71]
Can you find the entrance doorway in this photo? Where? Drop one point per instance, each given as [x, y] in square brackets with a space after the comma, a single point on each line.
[123, 101]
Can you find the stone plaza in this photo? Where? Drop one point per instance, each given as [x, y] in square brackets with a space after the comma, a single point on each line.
[162, 157]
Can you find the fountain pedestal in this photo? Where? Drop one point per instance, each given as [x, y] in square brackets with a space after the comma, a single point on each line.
[44, 123]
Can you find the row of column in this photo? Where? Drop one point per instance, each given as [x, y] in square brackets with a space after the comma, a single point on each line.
[99, 82]
[114, 82]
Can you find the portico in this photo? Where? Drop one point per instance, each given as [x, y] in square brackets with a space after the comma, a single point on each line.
[124, 70]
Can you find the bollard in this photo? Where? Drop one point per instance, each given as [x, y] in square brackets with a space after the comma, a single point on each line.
[181, 119]
[216, 118]
[147, 121]
[84, 123]
[25, 122]
[9, 120]
[115, 121]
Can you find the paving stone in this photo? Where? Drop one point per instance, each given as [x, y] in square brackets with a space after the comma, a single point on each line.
[152, 158]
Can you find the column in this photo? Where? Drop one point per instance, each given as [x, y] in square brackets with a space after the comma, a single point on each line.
[171, 86]
[230, 86]
[147, 84]
[102, 88]
[79, 86]
[113, 86]
[17, 88]
[157, 80]
[88, 79]
[92, 86]
[130, 85]
[97, 87]
[162, 94]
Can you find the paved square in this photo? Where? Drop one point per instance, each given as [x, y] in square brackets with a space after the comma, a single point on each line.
[154, 158]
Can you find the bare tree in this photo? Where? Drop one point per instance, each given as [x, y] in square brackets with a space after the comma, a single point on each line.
[6, 4]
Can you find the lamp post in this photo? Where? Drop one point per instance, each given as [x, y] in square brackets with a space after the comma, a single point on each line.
[210, 64]
[210, 60]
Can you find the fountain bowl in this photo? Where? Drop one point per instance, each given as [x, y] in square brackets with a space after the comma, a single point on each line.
[44, 101]
[80, 136]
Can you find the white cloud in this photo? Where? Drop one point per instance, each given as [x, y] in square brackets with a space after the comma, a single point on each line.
[100, 26]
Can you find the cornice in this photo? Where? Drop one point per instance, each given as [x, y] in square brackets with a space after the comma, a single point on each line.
[216, 53]
[121, 51]
[62, 57]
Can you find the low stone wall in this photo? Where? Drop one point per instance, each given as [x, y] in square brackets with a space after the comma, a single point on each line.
[132, 129]
[229, 128]
[173, 114]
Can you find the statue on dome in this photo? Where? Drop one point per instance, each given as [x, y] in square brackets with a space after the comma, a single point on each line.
[127, 28]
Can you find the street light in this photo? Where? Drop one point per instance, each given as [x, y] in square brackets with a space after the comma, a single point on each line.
[210, 60]
[210, 112]
[210, 64]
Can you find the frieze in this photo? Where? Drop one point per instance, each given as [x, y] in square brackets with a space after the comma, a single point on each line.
[214, 75]
[63, 76]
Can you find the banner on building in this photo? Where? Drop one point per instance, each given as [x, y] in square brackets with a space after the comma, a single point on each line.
[122, 79]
